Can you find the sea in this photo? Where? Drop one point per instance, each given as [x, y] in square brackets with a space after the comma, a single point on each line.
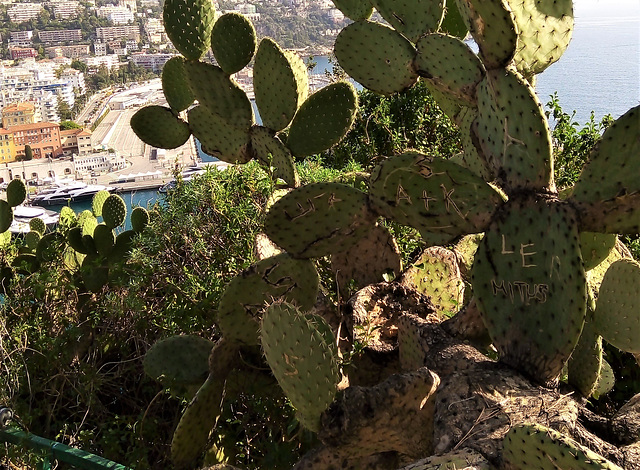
[599, 73]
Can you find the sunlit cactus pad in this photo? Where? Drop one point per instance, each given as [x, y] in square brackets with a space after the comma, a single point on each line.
[179, 96]
[233, 42]
[412, 19]
[159, 127]
[114, 211]
[188, 24]
[274, 155]
[218, 137]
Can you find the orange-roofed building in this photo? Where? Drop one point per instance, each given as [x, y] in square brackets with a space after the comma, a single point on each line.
[17, 114]
[76, 141]
[42, 137]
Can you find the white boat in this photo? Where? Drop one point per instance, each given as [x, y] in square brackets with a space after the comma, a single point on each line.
[62, 193]
[22, 215]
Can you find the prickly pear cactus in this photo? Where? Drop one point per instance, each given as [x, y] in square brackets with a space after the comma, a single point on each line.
[114, 211]
[16, 193]
[188, 24]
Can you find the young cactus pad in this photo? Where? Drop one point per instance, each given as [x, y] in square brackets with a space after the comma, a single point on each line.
[114, 211]
[233, 42]
[302, 360]
[188, 24]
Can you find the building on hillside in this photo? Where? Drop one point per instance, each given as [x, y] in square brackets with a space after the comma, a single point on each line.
[17, 114]
[63, 35]
[129, 5]
[117, 15]
[99, 48]
[87, 165]
[36, 170]
[76, 141]
[65, 10]
[111, 61]
[42, 137]
[76, 78]
[22, 52]
[24, 12]
[153, 62]
[73, 52]
[7, 146]
[110, 33]
[21, 36]
[154, 30]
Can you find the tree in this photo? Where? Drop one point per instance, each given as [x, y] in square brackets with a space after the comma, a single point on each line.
[66, 125]
[64, 110]
[28, 154]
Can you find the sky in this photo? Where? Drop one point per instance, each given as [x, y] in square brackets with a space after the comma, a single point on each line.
[594, 8]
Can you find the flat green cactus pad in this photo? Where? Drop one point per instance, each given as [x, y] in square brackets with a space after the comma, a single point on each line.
[302, 360]
[179, 97]
[470, 157]
[411, 19]
[6, 216]
[159, 127]
[94, 276]
[530, 285]
[219, 94]
[218, 137]
[367, 262]
[98, 201]
[514, 132]
[188, 24]
[617, 316]
[247, 294]
[606, 380]
[233, 42]
[458, 75]
[497, 42]
[586, 360]
[16, 192]
[104, 239]
[280, 83]
[453, 24]
[67, 217]
[608, 190]
[139, 219]
[355, 9]
[323, 119]
[122, 247]
[544, 31]
[74, 238]
[376, 56]
[114, 211]
[31, 240]
[433, 195]
[595, 248]
[179, 360]
[37, 225]
[528, 446]
[274, 155]
[319, 219]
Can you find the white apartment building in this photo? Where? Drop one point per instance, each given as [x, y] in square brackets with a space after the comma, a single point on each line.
[76, 78]
[65, 10]
[100, 48]
[21, 35]
[24, 12]
[153, 62]
[110, 61]
[117, 15]
[110, 33]
[154, 29]
[63, 35]
[98, 162]
[129, 5]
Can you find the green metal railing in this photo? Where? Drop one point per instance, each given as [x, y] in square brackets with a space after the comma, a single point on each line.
[52, 450]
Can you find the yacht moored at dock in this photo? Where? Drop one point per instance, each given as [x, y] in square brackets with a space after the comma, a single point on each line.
[62, 193]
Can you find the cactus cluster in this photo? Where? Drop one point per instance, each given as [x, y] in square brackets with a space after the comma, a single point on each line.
[219, 113]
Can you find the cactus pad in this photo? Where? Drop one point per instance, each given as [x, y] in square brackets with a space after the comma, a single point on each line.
[247, 294]
[376, 56]
[617, 316]
[114, 211]
[16, 192]
[31, 240]
[98, 201]
[302, 360]
[514, 132]
[432, 195]
[606, 380]
[218, 137]
[188, 24]
[219, 94]
[453, 23]
[544, 31]
[280, 84]
[530, 285]
[233, 42]
[323, 119]
[456, 76]
[411, 19]
[528, 446]
[355, 9]
[6, 216]
[139, 219]
[179, 361]
[67, 217]
[608, 190]
[37, 225]
[104, 239]
[122, 247]
[586, 360]
[497, 43]
[319, 219]
[274, 155]
[74, 238]
[595, 248]
[159, 127]
[179, 97]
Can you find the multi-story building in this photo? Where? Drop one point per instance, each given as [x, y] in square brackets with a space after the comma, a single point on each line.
[110, 33]
[111, 61]
[76, 141]
[18, 36]
[76, 78]
[24, 12]
[128, 4]
[7, 146]
[17, 114]
[42, 137]
[63, 35]
[73, 52]
[65, 10]
[117, 15]
[154, 30]
[153, 62]
[22, 52]
[99, 48]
